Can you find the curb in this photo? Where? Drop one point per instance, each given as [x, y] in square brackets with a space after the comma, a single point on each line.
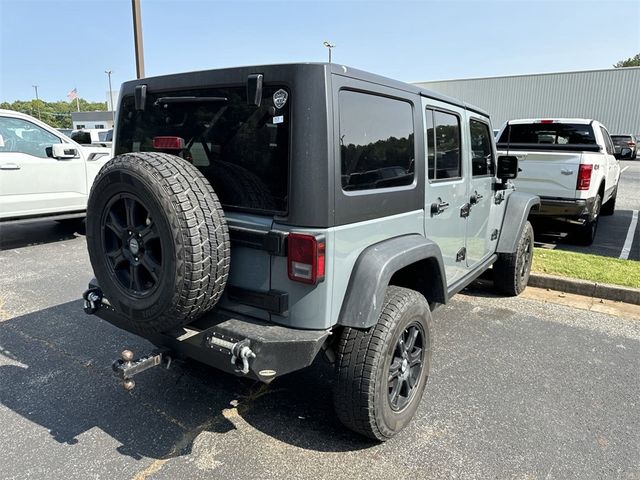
[586, 288]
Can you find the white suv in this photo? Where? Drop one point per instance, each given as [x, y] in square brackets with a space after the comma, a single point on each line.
[43, 173]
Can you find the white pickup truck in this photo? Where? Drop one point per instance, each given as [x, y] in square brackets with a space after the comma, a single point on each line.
[43, 173]
[570, 163]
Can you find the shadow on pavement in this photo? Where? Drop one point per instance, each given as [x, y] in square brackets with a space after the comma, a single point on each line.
[35, 233]
[55, 371]
[609, 241]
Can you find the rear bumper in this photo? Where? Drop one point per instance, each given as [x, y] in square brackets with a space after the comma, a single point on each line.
[278, 350]
[575, 211]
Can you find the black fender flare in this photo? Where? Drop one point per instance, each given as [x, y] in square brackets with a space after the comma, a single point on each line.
[519, 205]
[374, 269]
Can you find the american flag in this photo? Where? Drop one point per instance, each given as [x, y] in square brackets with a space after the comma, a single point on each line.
[73, 94]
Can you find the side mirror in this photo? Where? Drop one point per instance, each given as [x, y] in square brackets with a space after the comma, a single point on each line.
[507, 167]
[624, 152]
[62, 151]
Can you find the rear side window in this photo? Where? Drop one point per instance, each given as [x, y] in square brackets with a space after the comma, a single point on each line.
[481, 149]
[243, 150]
[548, 133]
[443, 145]
[376, 141]
[607, 140]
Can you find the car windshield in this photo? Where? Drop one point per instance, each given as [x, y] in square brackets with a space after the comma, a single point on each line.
[548, 133]
[243, 150]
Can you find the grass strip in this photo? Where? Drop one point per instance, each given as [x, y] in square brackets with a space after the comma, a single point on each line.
[587, 267]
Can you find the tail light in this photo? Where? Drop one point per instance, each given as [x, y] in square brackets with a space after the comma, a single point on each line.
[546, 121]
[631, 144]
[584, 177]
[305, 258]
[168, 143]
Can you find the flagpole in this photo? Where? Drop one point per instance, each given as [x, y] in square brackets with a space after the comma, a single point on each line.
[78, 103]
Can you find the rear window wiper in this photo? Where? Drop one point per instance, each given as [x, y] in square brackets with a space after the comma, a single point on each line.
[169, 100]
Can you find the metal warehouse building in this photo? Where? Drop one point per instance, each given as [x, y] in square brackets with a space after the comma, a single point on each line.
[611, 96]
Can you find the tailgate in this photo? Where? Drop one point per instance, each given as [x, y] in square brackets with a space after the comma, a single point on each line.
[548, 174]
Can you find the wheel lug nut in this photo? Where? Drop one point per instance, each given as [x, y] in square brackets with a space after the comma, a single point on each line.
[136, 259]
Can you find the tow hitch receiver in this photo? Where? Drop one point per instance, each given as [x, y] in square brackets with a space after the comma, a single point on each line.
[126, 366]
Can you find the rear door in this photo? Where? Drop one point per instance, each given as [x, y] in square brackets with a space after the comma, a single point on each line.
[32, 182]
[243, 151]
[447, 189]
[481, 159]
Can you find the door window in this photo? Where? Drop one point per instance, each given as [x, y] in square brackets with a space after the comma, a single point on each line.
[607, 141]
[22, 136]
[482, 161]
[443, 145]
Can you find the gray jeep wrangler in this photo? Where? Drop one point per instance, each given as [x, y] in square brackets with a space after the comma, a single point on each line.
[254, 217]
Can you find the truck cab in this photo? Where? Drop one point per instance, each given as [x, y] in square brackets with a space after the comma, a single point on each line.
[570, 163]
[43, 173]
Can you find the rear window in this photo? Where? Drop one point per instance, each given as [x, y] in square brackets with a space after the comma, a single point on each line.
[621, 140]
[548, 134]
[376, 141]
[243, 150]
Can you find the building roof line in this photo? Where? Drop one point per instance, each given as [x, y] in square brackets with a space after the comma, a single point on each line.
[528, 75]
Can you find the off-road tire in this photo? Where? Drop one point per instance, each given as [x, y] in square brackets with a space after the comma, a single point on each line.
[511, 271]
[610, 207]
[363, 360]
[191, 232]
[586, 234]
[236, 185]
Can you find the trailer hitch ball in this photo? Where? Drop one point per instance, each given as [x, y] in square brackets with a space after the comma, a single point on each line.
[126, 355]
[128, 384]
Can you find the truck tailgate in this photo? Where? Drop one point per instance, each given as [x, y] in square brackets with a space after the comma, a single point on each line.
[548, 174]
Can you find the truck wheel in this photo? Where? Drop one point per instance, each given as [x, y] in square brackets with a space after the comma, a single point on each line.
[157, 239]
[511, 270]
[382, 372]
[610, 207]
[586, 234]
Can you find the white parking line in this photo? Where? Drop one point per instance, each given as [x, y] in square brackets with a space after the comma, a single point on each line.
[630, 234]
[622, 171]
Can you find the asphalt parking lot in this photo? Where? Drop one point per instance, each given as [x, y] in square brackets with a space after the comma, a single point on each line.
[518, 389]
[613, 231]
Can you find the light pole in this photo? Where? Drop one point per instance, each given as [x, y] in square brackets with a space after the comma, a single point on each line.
[137, 37]
[113, 115]
[37, 101]
[329, 46]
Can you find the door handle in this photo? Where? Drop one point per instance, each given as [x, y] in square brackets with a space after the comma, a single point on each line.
[475, 198]
[438, 207]
[9, 166]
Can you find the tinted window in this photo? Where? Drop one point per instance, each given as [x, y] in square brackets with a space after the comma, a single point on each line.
[24, 137]
[482, 162]
[443, 146]
[243, 150]
[83, 138]
[607, 140]
[376, 141]
[549, 133]
[622, 140]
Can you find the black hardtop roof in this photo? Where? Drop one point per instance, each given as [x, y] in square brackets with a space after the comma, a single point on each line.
[335, 68]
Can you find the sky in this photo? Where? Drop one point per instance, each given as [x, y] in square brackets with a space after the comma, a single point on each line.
[61, 45]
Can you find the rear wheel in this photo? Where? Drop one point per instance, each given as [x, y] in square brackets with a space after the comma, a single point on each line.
[610, 207]
[511, 271]
[382, 371]
[157, 239]
[586, 234]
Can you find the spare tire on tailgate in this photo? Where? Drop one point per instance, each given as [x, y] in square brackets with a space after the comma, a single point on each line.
[157, 239]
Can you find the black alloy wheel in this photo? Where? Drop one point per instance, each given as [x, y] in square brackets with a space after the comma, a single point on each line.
[132, 244]
[406, 366]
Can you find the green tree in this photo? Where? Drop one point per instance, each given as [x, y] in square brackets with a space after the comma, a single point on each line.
[629, 62]
[56, 114]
